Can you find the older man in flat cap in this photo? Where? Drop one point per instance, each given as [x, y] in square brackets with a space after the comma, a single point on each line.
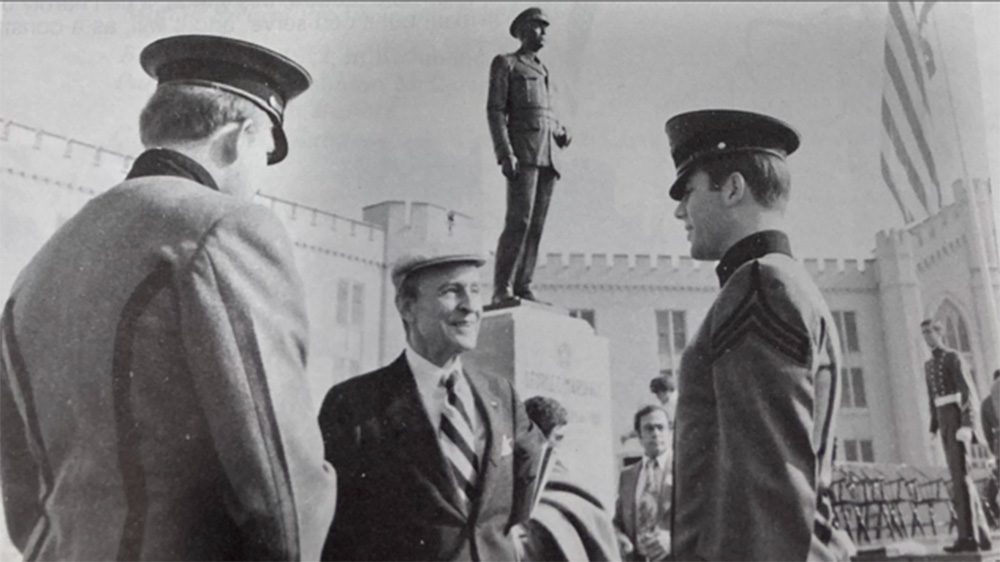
[524, 127]
[154, 399]
[435, 462]
[759, 384]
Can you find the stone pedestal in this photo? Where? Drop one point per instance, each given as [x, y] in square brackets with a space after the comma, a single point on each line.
[544, 351]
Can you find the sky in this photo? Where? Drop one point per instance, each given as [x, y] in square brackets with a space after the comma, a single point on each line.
[397, 107]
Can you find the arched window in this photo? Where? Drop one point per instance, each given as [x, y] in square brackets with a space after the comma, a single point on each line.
[956, 334]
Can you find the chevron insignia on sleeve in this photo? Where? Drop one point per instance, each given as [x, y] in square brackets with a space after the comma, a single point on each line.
[755, 316]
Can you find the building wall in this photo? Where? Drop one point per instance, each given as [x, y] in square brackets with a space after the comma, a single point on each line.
[45, 178]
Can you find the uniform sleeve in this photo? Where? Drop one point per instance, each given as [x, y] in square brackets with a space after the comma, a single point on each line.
[20, 475]
[930, 399]
[496, 108]
[761, 499]
[244, 330]
[968, 405]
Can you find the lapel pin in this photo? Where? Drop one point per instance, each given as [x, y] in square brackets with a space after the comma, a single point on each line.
[494, 403]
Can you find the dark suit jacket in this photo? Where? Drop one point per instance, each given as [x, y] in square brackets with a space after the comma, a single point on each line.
[625, 507]
[396, 500]
[153, 386]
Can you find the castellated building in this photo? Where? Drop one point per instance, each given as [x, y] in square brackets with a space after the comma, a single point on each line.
[647, 307]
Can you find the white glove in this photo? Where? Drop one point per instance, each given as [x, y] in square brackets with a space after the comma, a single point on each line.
[964, 435]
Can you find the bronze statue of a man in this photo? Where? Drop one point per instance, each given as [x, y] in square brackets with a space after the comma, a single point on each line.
[524, 128]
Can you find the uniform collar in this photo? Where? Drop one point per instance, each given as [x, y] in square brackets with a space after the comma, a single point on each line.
[166, 162]
[752, 247]
[530, 55]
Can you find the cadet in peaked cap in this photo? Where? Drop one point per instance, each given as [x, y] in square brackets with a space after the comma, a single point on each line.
[531, 14]
[758, 387]
[698, 136]
[171, 302]
[267, 78]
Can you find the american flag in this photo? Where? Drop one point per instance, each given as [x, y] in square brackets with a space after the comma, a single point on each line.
[907, 156]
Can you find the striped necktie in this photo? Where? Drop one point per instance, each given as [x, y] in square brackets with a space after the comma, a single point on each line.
[458, 441]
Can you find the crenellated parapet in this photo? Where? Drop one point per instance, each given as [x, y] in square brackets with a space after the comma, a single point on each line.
[41, 157]
[614, 271]
[61, 161]
[412, 224]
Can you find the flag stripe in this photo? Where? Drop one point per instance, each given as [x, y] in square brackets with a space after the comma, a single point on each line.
[906, 36]
[892, 67]
[897, 142]
[887, 176]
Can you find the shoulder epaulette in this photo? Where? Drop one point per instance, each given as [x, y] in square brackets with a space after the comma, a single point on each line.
[754, 315]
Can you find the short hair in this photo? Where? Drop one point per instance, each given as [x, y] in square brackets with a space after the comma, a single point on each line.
[662, 383]
[766, 174]
[996, 374]
[188, 112]
[645, 411]
[408, 290]
[934, 324]
[546, 413]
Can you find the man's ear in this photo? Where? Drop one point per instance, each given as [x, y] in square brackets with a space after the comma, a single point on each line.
[734, 190]
[404, 306]
[228, 142]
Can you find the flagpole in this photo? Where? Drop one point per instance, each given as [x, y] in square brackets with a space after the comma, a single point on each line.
[986, 314]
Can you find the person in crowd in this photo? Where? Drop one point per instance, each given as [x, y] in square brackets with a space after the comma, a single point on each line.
[990, 418]
[642, 511]
[153, 393]
[435, 461]
[665, 390]
[550, 416]
[953, 416]
[567, 522]
[758, 384]
[991, 430]
[524, 127]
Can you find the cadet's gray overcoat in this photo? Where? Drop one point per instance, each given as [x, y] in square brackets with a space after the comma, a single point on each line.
[154, 404]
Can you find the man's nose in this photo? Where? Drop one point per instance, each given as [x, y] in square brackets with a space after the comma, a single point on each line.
[470, 301]
[680, 212]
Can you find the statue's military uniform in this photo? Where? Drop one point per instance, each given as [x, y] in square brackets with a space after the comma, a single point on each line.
[523, 124]
[519, 110]
[758, 393]
[952, 409]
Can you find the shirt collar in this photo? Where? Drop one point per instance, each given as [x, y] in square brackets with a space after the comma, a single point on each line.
[423, 369]
[166, 162]
[661, 460]
[752, 247]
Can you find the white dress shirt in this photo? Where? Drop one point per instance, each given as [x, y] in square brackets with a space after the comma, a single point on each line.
[433, 394]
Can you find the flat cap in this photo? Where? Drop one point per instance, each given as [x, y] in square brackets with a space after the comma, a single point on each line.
[266, 78]
[699, 136]
[531, 14]
[425, 258]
